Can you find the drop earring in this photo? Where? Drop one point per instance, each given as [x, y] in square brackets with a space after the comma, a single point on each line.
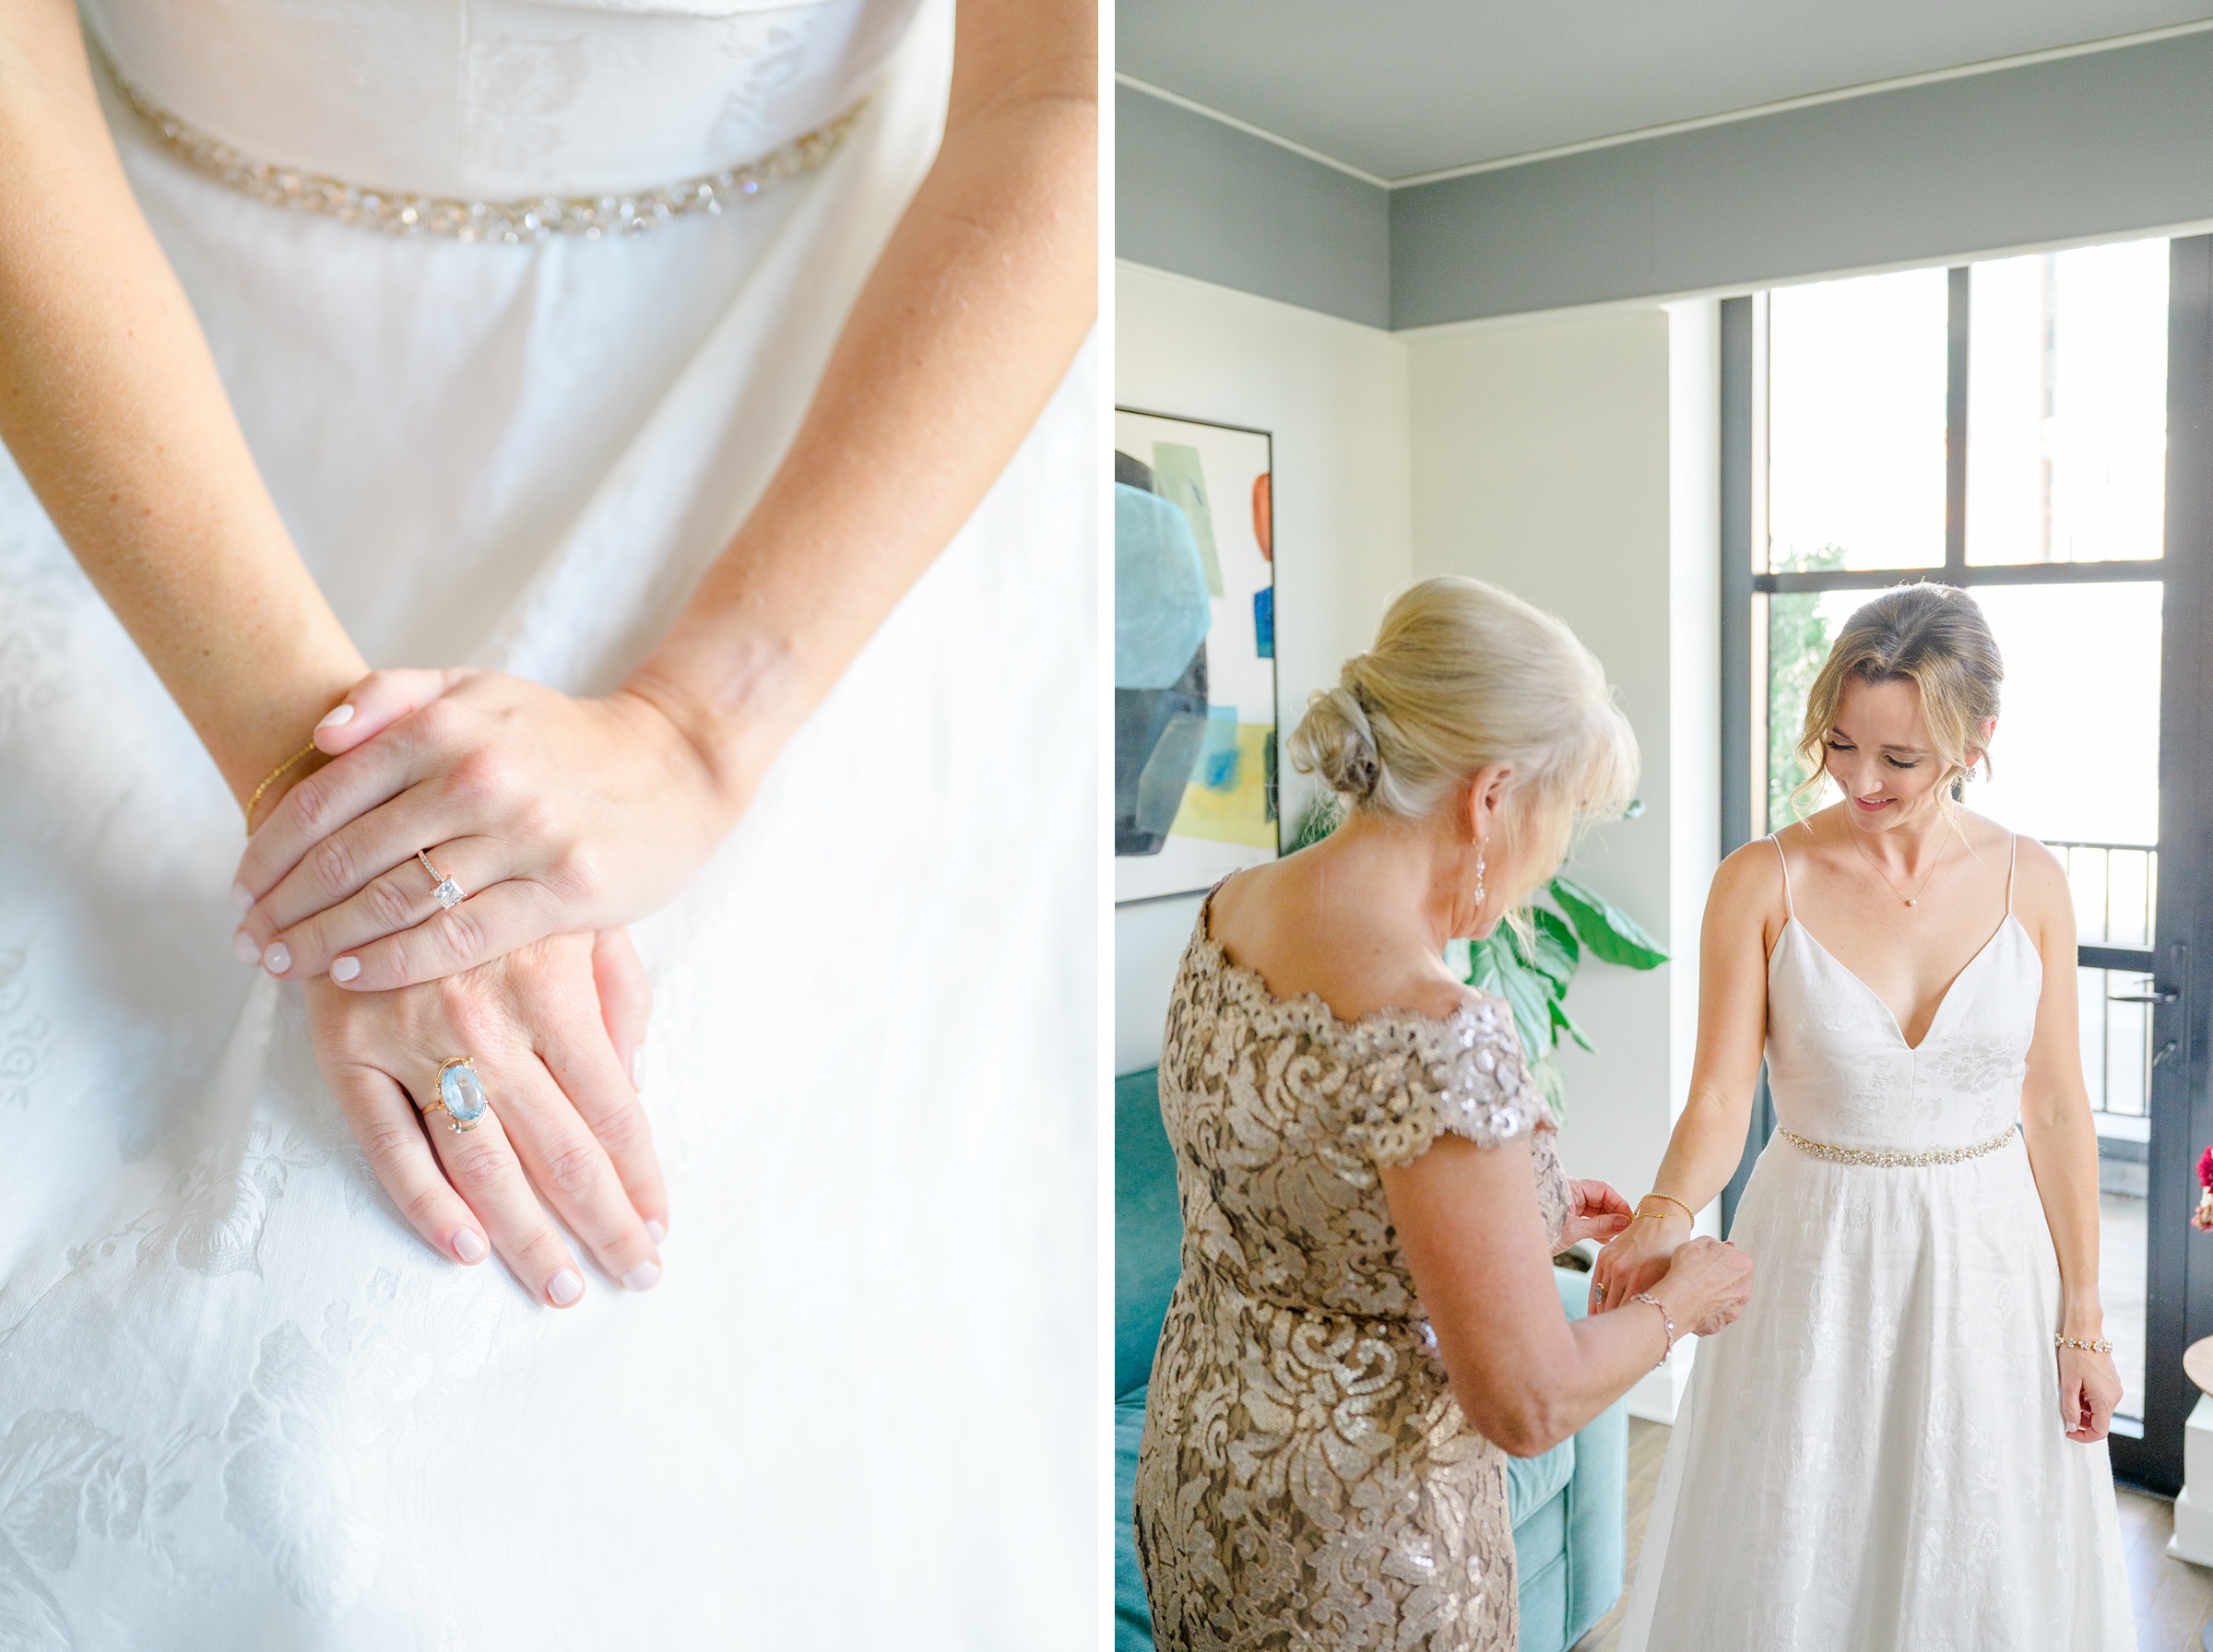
[1479, 877]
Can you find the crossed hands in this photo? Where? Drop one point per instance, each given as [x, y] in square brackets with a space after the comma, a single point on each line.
[562, 820]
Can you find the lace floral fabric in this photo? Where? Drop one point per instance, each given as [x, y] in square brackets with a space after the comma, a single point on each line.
[1305, 1477]
[242, 1403]
[1872, 1455]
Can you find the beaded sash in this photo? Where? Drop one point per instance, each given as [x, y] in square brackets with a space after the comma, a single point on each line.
[1888, 1159]
[513, 223]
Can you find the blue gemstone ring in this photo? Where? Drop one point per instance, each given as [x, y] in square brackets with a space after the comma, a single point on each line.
[448, 893]
[460, 1094]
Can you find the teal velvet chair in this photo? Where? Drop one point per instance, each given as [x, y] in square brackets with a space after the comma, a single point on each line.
[1568, 1505]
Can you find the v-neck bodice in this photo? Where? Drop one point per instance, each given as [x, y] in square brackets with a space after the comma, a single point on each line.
[1841, 1072]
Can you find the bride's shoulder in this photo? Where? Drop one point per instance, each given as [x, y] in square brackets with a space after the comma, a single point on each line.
[2039, 876]
[1753, 874]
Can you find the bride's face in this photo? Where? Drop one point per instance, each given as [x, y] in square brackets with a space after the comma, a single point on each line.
[1881, 757]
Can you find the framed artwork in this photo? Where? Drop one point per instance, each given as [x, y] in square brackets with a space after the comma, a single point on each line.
[1194, 654]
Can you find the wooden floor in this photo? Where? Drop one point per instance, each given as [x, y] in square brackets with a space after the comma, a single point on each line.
[2174, 1599]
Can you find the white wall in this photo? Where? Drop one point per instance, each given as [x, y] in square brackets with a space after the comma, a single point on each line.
[1573, 459]
[1541, 464]
[1334, 395]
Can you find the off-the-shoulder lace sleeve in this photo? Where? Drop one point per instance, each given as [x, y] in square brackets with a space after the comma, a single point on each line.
[1419, 1078]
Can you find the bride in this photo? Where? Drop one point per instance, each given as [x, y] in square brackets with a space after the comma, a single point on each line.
[1901, 1444]
[689, 382]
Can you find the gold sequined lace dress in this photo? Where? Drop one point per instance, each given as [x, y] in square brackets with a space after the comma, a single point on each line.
[1306, 1479]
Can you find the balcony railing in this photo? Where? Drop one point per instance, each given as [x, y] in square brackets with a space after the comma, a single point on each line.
[2116, 896]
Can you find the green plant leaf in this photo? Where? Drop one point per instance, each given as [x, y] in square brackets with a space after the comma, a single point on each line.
[1493, 968]
[1564, 1022]
[1554, 948]
[1612, 934]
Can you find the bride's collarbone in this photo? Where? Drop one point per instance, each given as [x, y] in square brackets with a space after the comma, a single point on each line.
[1908, 957]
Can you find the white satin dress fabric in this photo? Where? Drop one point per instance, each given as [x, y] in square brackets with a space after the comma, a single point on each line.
[1871, 1458]
[241, 1404]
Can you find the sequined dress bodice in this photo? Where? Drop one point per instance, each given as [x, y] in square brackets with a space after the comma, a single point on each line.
[1306, 1477]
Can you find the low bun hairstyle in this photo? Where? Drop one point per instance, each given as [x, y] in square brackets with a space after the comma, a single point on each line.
[1462, 676]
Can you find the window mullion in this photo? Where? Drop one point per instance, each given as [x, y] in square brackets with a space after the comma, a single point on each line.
[1957, 293]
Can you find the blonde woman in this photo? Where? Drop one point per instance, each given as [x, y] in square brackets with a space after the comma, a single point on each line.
[1904, 1444]
[1366, 1324]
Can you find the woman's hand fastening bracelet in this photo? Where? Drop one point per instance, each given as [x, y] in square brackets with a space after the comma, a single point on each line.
[1667, 1318]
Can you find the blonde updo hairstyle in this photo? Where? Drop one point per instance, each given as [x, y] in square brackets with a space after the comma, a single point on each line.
[1933, 637]
[1463, 675]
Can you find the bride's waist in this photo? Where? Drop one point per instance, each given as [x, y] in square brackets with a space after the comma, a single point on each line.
[502, 103]
[1903, 1149]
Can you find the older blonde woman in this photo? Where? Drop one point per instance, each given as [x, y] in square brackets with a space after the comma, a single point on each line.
[1902, 1446]
[1366, 1324]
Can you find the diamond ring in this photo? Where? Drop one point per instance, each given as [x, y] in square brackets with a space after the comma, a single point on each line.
[460, 1094]
[448, 893]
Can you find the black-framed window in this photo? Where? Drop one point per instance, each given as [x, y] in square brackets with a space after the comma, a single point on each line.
[2004, 426]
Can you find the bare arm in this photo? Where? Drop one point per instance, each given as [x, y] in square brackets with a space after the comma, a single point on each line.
[580, 811]
[1525, 1374]
[111, 406]
[2062, 1141]
[963, 329]
[1709, 1138]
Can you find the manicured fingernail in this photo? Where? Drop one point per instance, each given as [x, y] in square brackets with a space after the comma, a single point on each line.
[564, 1288]
[241, 897]
[278, 958]
[656, 1232]
[246, 946]
[345, 969]
[634, 1070]
[644, 1277]
[469, 1244]
[338, 719]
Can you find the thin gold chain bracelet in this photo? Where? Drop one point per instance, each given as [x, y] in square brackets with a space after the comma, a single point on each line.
[2094, 1345]
[274, 774]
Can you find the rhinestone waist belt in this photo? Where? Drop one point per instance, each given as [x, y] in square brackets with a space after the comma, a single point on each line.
[397, 212]
[1888, 1159]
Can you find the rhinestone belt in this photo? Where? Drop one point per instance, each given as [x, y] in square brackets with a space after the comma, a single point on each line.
[513, 223]
[1888, 1159]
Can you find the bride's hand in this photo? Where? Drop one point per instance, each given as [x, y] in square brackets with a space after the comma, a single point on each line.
[552, 1029]
[1637, 1260]
[553, 814]
[2089, 1388]
[1600, 1214]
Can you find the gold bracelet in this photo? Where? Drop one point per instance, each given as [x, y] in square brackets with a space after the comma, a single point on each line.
[274, 774]
[1671, 1200]
[2094, 1345]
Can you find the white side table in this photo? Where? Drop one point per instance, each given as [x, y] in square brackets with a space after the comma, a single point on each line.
[2193, 1539]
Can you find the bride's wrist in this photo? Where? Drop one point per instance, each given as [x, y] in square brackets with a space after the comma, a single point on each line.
[728, 733]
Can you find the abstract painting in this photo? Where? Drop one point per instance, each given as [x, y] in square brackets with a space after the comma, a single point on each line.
[1194, 654]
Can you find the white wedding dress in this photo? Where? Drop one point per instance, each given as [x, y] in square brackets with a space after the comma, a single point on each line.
[241, 1404]
[1871, 1458]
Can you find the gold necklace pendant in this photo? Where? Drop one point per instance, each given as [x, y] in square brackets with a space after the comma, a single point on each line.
[1911, 901]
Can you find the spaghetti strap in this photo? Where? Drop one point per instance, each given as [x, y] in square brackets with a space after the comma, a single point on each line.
[1790, 913]
[2013, 860]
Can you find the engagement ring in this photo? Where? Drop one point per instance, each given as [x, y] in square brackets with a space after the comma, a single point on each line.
[460, 1094]
[448, 893]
